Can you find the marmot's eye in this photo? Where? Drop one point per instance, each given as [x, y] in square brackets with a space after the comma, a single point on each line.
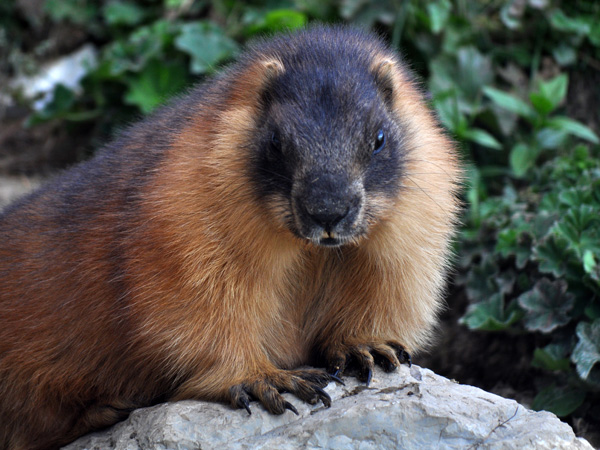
[275, 142]
[379, 142]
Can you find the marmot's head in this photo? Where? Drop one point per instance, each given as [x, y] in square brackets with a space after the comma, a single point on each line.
[328, 147]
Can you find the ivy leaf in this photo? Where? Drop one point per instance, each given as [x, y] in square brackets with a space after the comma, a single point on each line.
[561, 400]
[560, 21]
[154, 84]
[551, 138]
[75, 11]
[62, 101]
[207, 45]
[509, 102]
[145, 43]
[587, 351]
[565, 55]
[541, 103]
[491, 315]
[439, 13]
[122, 13]
[547, 305]
[482, 137]
[555, 90]
[278, 20]
[522, 158]
[574, 128]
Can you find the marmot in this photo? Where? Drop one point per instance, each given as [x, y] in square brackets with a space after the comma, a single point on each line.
[295, 210]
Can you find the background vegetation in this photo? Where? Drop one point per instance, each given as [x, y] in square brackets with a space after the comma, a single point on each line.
[517, 82]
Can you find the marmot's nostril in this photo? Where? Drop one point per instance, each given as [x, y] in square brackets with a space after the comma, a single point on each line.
[328, 218]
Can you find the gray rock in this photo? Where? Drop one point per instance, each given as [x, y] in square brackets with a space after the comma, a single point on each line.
[11, 188]
[409, 409]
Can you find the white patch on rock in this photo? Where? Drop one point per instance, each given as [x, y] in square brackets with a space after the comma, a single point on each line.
[67, 70]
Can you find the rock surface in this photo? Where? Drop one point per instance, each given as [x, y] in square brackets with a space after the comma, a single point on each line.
[11, 188]
[409, 409]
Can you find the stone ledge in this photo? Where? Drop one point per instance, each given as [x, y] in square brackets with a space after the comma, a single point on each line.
[409, 409]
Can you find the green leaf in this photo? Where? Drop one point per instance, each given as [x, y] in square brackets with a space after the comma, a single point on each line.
[80, 12]
[594, 35]
[207, 45]
[446, 105]
[589, 261]
[122, 13]
[580, 226]
[284, 19]
[62, 101]
[154, 84]
[480, 283]
[574, 128]
[553, 255]
[439, 13]
[565, 55]
[522, 158]
[508, 19]
[574, 197]
[552, 357]
[512, 242]
[132, 54]
[561, 401]
[587, 351]
[560, 21]
[474, 71]
[509, 102]
[491, 315]
[547, 305]
[482, 137]
[550, 138]
[541, 103]
[555, 90]
[592, 311]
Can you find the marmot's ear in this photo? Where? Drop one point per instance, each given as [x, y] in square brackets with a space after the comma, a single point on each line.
[272, 68]
[384, 71]
[254, 82]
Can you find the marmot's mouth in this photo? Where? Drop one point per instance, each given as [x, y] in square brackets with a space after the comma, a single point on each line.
[330, 242]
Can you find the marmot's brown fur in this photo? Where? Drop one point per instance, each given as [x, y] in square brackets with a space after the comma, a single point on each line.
[297, 209]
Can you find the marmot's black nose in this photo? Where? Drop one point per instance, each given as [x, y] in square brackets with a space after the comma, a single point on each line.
[328, 202]
[327, 213]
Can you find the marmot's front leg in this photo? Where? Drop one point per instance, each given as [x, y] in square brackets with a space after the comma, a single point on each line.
[363, 354]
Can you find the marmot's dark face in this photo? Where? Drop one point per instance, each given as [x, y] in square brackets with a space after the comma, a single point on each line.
[329, 149]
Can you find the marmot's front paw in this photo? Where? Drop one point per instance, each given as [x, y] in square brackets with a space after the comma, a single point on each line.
[306, 384]
[388, 354]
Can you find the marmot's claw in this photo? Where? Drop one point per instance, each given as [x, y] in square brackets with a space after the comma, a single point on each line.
[245, 404]
[402, 354]
[364, 356]
[405, 357]
[324, 396]
[306, 384]
[335, 378]
[291, 407]
[240, 398]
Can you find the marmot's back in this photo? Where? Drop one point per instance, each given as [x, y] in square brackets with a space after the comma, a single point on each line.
[297, 209]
